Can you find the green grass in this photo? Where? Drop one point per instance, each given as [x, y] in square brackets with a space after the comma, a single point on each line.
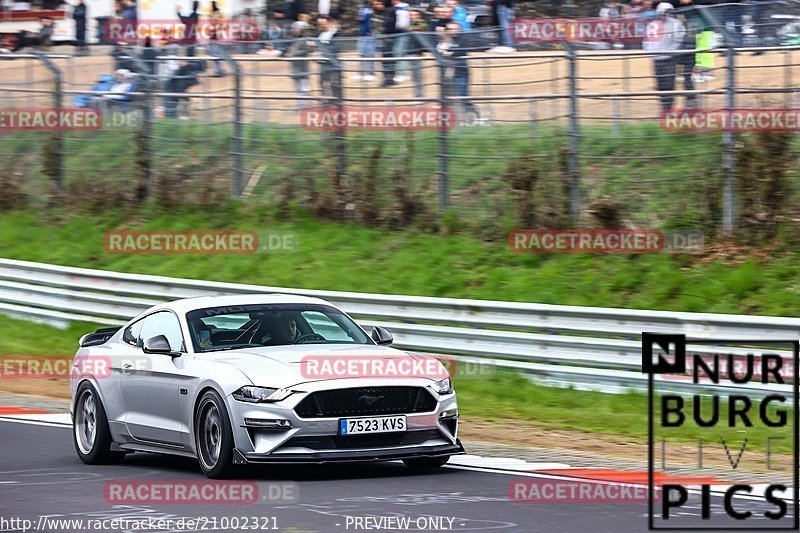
[348, 257]
[20, 337]
[637, 164]
[512, 396]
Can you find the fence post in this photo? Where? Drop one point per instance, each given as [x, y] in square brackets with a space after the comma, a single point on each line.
[729, 206]
[573, 139]
[444, 87]
[144, 141]
[58, 138]
[236, 148]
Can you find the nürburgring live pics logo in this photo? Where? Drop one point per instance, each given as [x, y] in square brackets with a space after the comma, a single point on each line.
[735, 396]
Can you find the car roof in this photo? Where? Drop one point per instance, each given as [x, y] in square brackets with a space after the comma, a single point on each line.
[203, 302]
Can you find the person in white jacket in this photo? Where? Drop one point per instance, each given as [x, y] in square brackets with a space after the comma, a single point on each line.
[664, 34]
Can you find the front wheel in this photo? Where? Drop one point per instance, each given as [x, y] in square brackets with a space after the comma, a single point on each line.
[90, 431]
[426, 463]
[213, 436]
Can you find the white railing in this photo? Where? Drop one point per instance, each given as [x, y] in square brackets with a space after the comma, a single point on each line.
[586, 347]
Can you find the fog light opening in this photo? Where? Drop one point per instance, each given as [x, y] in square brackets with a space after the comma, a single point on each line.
[268, 423]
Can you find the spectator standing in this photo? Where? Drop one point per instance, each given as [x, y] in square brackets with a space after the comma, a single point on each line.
[79, 16]
[693, 23]
[366, 41]
[128, 12]
[459, 15]
[416, 48]
[402, 22]
[456, 76]
[669, 34]
[329, 75]
[387, 43]
[300, 47]
[149, 55]
[216, 22]
[505, 14]
[441, 18]
[41, 39]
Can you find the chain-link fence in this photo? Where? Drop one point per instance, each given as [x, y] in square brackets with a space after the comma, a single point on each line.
[541, 138]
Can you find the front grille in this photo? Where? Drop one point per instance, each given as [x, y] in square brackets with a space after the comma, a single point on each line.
[379, 440]
[366, 401]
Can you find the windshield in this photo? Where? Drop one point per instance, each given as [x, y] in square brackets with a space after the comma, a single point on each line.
[228, 328]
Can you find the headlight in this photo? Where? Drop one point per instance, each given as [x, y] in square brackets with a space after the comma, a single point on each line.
[261, 394]
[444, 386]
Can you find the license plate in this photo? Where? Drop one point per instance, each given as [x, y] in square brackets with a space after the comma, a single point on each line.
[379, 424]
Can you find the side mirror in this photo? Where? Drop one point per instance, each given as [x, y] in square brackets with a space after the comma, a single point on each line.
[382, 336]
[158, 344]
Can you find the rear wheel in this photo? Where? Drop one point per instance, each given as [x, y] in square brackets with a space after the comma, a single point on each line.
[90, 431]
[213, 436]
[426, 463]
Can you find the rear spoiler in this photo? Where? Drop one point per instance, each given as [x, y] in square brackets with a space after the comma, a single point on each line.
[98, 337]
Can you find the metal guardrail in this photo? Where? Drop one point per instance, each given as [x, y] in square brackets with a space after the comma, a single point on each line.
[585, 347]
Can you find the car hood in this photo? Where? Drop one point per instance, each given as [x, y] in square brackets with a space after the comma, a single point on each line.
[287, 366]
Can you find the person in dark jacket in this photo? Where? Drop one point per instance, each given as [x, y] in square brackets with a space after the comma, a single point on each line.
[128, 12]
[441, 18]
[79, 16]
[300, 47]
[366, 41]
[387, 42]
[328, 42]
[41, 38]
[149, 55]
[416, 47]
[456, 78]
[693, 23]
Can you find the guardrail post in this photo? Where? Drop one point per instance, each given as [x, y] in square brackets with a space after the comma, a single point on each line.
[54, 166]
[573, 140]
[238, 136]
[729, 206]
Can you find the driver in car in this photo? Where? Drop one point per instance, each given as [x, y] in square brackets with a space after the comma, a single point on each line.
[285, 332]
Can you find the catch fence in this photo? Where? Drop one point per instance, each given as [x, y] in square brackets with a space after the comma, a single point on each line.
[567, 136]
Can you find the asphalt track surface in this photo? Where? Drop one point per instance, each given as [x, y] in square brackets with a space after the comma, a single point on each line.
[41, 475]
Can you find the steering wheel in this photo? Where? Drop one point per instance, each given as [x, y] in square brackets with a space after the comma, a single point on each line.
[309, 336]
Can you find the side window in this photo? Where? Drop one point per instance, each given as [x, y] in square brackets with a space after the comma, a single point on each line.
[326, 327]
[132, 334]
[163, 323]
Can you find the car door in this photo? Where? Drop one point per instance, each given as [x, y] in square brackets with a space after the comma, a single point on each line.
[153, 383]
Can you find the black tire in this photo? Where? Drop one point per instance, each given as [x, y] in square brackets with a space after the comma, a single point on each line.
[426, 463]
[213, 436]
[90, 433]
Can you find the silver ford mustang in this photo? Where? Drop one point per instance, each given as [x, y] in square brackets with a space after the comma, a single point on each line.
[258, 379]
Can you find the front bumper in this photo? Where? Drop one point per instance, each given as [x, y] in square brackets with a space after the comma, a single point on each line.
[316, 440]
[354, 456]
